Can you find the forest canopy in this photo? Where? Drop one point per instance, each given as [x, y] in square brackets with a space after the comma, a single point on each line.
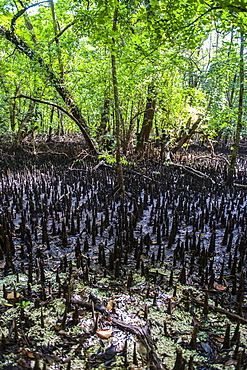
[175, 66]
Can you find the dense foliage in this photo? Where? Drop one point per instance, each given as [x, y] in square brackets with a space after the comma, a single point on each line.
[180, 59]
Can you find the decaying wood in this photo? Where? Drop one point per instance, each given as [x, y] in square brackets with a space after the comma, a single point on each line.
[142, 333]
[240, 185]
[214, 158]
[230, 315]
[191, 170]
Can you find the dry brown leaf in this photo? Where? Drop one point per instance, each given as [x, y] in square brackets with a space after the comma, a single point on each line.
[217, 337]
[110, 305]
[12, 295]
[26, 352]
[30, 354]
[104, 333]
[219, 286]
[5, 340]
[230, 362]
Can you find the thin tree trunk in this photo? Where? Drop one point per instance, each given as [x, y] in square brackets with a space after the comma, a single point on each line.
[105, 117]
[240, 114]
[22, 130]
[147, 119]
[117, 108]
[56, 29]
[58, 84]
[60, 128]
[12, 106]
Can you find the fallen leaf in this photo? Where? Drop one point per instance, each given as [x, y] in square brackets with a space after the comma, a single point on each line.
[217, 337]
[30, 354]
[104, 333]
[230, 362]
[26, 352]
[110, 305]
[5, 340]
[12, 295]
[219, 286]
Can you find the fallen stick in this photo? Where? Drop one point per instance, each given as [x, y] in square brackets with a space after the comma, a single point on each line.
[191, 170]
[142, 333]
[230, 315]
[240, 185]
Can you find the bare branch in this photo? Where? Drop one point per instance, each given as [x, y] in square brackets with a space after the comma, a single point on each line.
[138, 114]
[22, 11]
[201, 15]
[63, 30]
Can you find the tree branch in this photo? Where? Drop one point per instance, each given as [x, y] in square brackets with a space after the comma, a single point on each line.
[58, 84]
[62, 31]
[22, 11]
[37, 100]
[229, 7]
[200, 16]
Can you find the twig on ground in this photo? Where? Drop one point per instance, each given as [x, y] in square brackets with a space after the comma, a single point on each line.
[192, 171]
[240, 185]
[230, 315]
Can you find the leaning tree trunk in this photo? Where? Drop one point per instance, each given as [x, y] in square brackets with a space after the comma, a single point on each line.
[240, 114]
[57, 83]
[187, 135]
[148, 119]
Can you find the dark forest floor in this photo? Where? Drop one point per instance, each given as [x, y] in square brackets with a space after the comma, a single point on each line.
[90, 280]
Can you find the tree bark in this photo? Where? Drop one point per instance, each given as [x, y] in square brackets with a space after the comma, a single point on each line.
[56, 31]
[57, 83]
[105, 117]
[186, 136]
[239, 126]
[147, 119]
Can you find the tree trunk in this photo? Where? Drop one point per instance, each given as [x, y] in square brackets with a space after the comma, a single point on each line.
[186, 136]
[23, 130]
[58, 84]
[240, 114]
[12, 105]
[117, 108]
[56, 29]
[147, 119]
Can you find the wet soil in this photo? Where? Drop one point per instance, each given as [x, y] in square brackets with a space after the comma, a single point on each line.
[169, 258]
